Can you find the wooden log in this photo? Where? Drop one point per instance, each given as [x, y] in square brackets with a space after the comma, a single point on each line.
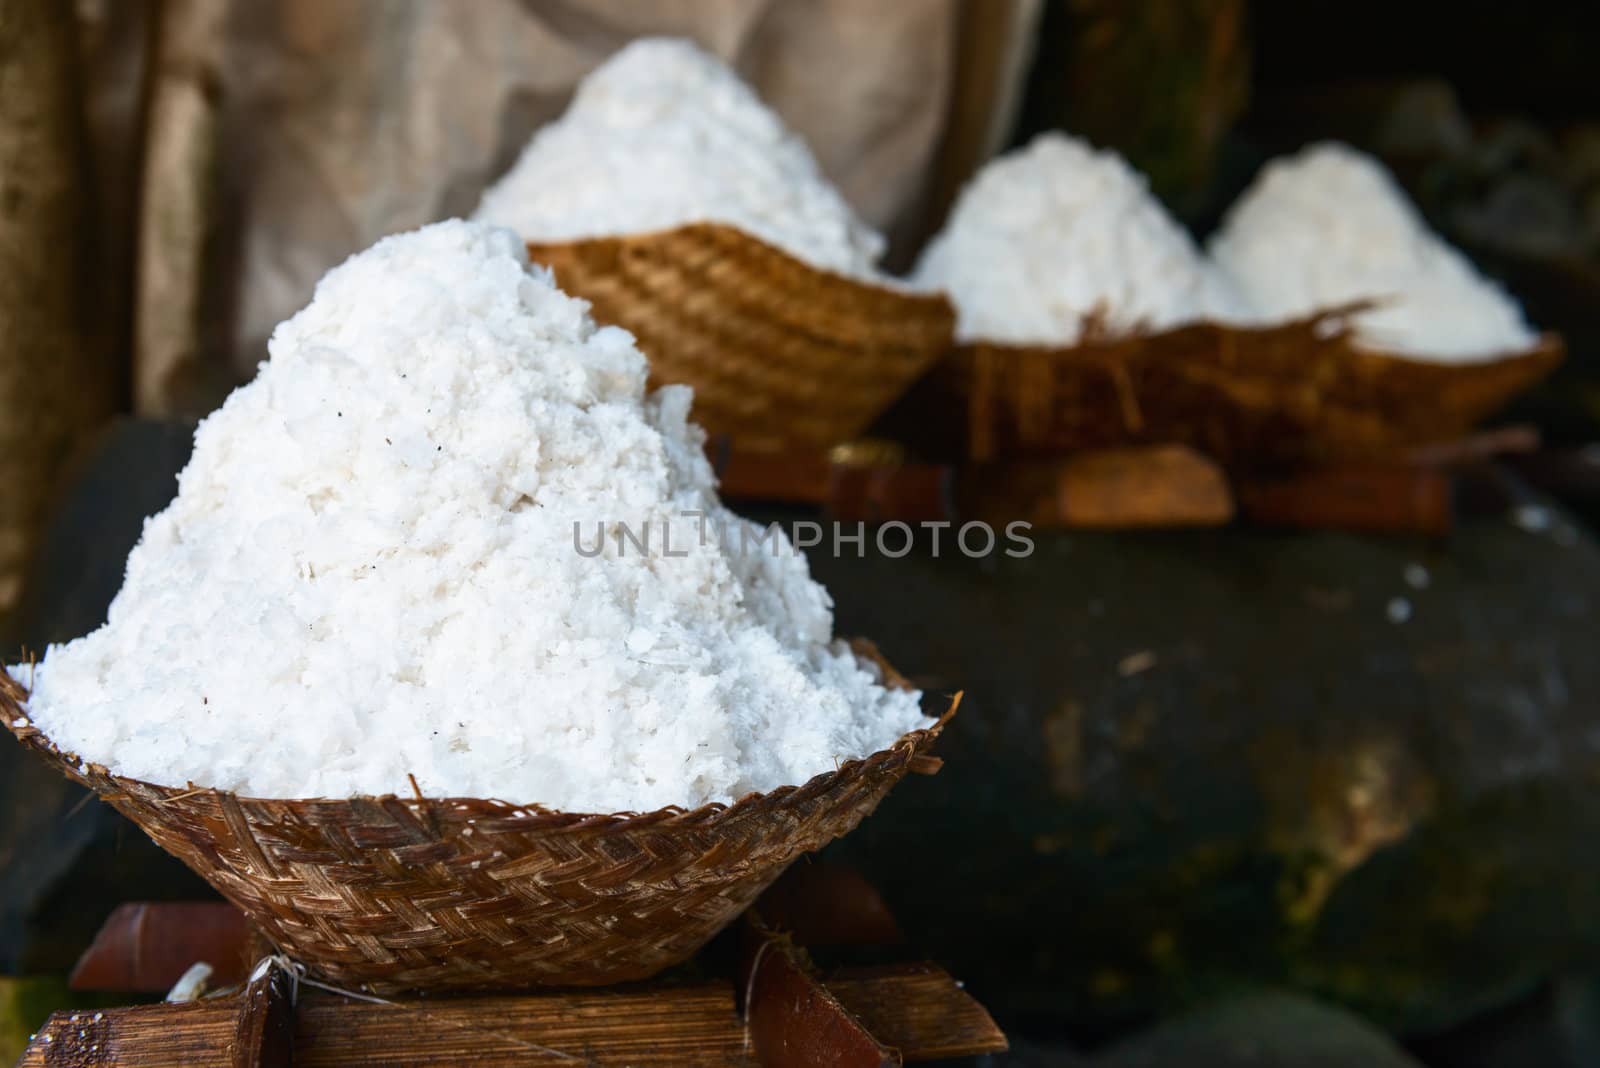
[685, 1025]
[919, 1010]
[1149, 486]
[793, 477]
[1385, 499]
[1156, 486]
[1478, 448]
[197, 1033]
[794, 1020]
[145, 946]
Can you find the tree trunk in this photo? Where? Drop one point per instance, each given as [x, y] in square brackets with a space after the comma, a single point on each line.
[55, 383]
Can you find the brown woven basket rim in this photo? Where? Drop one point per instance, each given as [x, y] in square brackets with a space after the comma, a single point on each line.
[1548, 343]
[13, 706]
[904, 292]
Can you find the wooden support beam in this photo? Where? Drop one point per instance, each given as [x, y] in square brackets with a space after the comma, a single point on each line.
[918, 1010]
[1391, 499]
[794, 1020]
[263, 1030]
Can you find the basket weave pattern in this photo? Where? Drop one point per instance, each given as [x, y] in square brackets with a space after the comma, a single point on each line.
[393, 894]
[1289, 394]
[776, 350]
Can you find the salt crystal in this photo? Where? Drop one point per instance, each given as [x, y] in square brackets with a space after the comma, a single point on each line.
[663, 134]
[1055, 235]
[514, 419]
[1532, 518]
[1330, 227]
[1417, 576]
[1398, 610]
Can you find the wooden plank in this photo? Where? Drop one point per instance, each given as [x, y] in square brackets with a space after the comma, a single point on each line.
[790, 477]
[685, 1025]
[795, 1021]
[192, 1035]
[919, 1010]
[263, 1034]
[870, 489]
[857, 1017]
[1478, 448]
[1107, 489]
[688, 1025]
[1153, 486]
[1380, 499]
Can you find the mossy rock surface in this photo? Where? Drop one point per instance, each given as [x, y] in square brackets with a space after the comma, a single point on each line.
[25, 1004]
[1189, 761]
[1260, 1030]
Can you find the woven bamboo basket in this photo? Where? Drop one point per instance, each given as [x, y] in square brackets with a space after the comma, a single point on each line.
[1284, 395]
[391, 894]
[778, 351]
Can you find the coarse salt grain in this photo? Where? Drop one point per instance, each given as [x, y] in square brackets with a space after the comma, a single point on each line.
[1329, 227]
[371, 571]
[662, 135]
[1055, 236]
[1398, 610]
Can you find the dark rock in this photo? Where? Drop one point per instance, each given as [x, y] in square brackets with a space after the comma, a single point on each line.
[1267, 1030]
[1557, 1027]
[1525, 214]
[1193, 760]
[127, 473]
[1033, 1053]
[1421, 118]
[65, 859]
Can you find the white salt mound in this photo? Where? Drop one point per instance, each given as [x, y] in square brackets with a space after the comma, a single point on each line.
[371, 570]
[1330, 226]
[662, 135]
[1047, 238]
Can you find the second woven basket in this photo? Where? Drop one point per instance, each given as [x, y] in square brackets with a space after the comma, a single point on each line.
[1302, 392]
[391, 894]
[777, 351]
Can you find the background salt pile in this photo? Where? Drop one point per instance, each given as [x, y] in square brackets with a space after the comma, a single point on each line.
[664, 134]
[1329, 226]
[1057, 236]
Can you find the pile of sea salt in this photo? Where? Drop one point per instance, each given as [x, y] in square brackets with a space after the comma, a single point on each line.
[663, 135]
[378, 565]
[1057, 238]
[1329, 227]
